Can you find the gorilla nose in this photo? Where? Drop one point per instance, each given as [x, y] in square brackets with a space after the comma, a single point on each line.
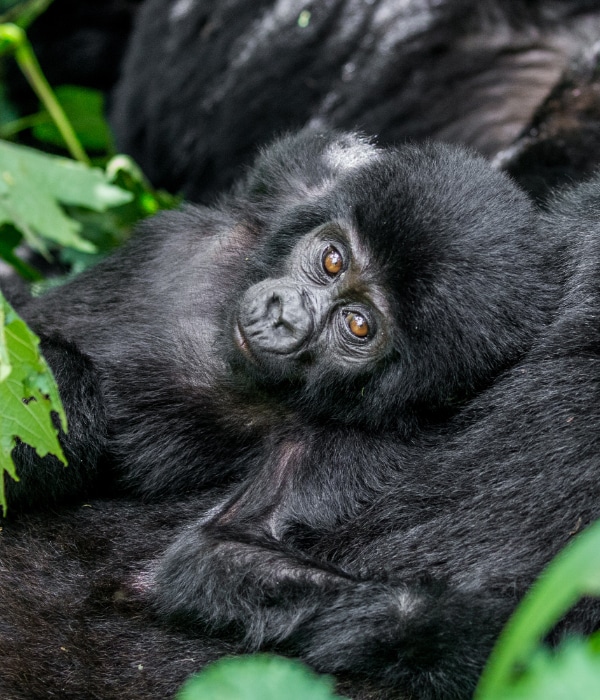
[275, 318]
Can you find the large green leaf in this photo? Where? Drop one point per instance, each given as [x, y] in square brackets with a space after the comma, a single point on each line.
[84, 108]
[259, 677]
[33, 185]
[28, 395]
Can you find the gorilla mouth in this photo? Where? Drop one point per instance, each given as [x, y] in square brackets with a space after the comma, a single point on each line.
[241, 341]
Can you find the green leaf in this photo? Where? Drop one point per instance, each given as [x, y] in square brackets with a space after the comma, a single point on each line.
[259, 677]
[32, 187]
[10, 238]
[570, 673]
[573, 574]
[5, 366]
[122, 171]
[84, 108]
[28, 395]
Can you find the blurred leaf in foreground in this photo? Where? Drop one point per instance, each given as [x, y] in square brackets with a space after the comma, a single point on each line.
[571, 672]
[570, 576]
[259, 677]
[84, 108]
[28, 395]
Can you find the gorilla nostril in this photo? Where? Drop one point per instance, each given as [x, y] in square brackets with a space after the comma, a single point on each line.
[275, 310]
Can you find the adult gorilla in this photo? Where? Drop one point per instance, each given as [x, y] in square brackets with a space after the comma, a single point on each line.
[388, 364]
[204, 82]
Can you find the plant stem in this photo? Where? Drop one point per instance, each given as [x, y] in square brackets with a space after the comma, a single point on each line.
[30, 67]
[9, 129]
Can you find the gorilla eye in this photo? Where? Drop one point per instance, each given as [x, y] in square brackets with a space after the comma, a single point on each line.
[357, 324]
[332, 261]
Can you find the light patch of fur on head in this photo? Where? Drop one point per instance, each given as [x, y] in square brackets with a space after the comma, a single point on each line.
[343, 158]
[408, 603]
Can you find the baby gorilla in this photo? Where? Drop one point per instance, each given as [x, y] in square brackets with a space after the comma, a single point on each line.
[339, 290]
[308, 344]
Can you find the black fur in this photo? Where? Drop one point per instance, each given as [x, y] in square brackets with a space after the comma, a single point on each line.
[203, 83]
[379, 520]
[561, 144]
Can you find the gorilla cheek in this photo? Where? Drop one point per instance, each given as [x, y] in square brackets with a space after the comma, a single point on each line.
[275, 318]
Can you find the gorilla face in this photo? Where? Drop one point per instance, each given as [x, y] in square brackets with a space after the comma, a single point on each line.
[322, 310]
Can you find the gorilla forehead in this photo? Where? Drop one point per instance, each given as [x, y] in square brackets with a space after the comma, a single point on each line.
[432, 200]
[413, 208]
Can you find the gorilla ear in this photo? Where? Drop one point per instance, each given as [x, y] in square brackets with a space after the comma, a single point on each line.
[305, 164]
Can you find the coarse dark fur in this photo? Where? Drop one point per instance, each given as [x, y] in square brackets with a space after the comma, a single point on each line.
[561, 144]
[72, 626]
[381, 509]
[203, 83]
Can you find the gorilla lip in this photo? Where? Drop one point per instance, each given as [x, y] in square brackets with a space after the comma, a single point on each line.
[241, 341]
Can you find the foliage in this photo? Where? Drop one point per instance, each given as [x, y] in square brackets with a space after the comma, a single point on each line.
[571, 673]
[13, 39]
[519, 667]
[32, 186]
[84, 108]
[63, 209]
[28, 395]
[22, 12]
[259, 677]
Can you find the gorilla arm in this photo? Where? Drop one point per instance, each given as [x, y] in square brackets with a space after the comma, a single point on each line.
[233, 573]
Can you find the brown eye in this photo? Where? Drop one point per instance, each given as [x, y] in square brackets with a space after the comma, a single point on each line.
[357, 324]
[332, 261]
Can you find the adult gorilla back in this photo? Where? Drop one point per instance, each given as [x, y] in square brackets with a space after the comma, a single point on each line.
[205, 82]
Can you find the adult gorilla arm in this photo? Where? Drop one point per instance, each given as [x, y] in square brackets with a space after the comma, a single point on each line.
[234, 574]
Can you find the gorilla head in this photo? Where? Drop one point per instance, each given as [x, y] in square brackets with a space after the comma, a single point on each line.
[381, 281]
